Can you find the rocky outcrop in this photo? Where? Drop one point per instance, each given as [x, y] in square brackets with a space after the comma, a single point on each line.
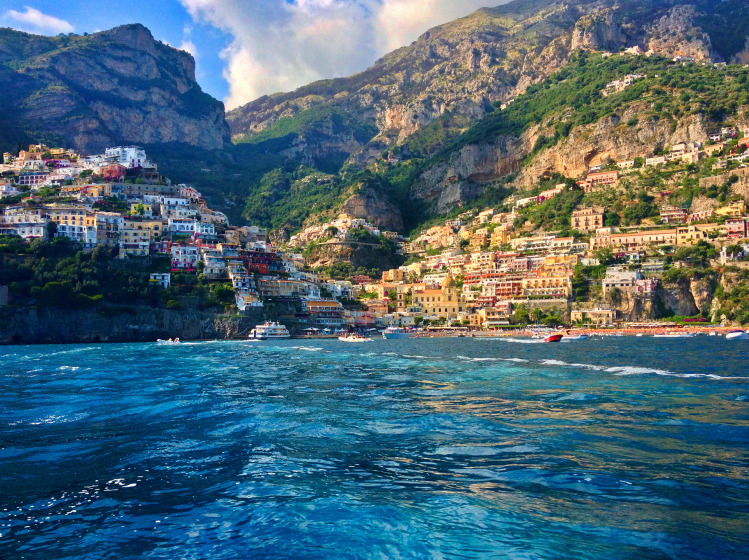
[688, 297]
[356, 254]
[467, 171]
[372, 207]
[117, 86]
[142, 324]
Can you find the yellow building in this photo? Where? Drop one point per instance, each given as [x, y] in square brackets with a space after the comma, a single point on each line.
[394, 275]
[587, 219]
[735, 210]
[72, 216]
[147, 208]
[500, 236]
[140, 231]
[447, 301]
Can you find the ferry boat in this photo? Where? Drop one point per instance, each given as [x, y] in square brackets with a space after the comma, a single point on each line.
[268, 331]
[737, 334]
[393, 333]
[354, 337]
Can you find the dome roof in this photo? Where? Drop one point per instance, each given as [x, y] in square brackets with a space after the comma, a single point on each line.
[448, 282]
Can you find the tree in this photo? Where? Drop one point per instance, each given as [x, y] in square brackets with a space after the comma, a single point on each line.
[51, 229]
[734, 251]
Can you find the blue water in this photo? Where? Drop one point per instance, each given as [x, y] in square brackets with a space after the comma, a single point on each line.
[462, 448]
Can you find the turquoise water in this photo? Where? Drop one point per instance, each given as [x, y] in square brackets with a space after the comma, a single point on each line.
[462, 448]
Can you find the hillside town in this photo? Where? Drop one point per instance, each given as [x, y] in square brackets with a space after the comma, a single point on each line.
[478, 270]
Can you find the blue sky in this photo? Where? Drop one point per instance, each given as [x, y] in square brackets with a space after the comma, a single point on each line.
[245, 49]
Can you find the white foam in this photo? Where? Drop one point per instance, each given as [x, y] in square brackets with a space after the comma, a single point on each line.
[637, 370]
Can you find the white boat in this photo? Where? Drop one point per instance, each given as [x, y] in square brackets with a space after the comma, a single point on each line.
[170, 341]
[574, 337]
[393, 333]
[675, 335]
[269, 331]
[353, 337]
[737, 334]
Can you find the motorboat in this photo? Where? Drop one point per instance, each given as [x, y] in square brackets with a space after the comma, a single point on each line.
[554, 337]
[354, 337]
[269, 331]
[170, 341]
[737, 334]
[574, 337]
[675, 335]
[394, 333]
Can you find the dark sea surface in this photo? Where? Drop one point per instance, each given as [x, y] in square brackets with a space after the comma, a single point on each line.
[427, 448]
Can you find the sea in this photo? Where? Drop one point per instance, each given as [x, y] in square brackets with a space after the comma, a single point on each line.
[460, 448]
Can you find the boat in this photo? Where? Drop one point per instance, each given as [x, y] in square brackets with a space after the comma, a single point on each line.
[737, 334]
[553, 338]
[675, 335]
[269, 331]
[170, 341]
[569, 337]
[394, 333]
[354, 337]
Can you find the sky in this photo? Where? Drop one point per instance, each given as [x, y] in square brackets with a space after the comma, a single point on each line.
[248, 48]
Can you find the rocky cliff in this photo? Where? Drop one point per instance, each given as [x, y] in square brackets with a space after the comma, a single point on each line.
[89, 92]
[142, 324]
[463, 67]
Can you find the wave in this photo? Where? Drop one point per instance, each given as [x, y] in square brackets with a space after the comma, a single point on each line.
[567, 364]
[638, 370]
[307, 348]
[523, 340]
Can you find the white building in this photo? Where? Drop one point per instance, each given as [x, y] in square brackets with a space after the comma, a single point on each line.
[184, 256]
[178, 225]
[163, 279]
[129, 156]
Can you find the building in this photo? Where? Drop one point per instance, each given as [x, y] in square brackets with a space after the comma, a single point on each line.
[673, 214]
[600, 317]
[113, 172]
[736, 229]
[325, 313]
[588, 219]
[446, 301]
[185, 257]
[163, 279]
[632, 242]
[129, 156]
[629, 281]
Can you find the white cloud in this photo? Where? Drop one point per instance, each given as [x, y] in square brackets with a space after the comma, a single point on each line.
[279, 45]
[39, 22]
[189, 46]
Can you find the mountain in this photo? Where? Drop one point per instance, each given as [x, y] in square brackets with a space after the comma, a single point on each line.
[471, 112]
[456, 72]
[114, 87]
[425, 119]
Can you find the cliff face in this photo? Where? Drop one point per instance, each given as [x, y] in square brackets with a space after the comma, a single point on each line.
[114, 87]
[53, 326]
[371, 206]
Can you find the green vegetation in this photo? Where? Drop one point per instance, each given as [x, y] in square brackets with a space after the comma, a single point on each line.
[59, 274]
